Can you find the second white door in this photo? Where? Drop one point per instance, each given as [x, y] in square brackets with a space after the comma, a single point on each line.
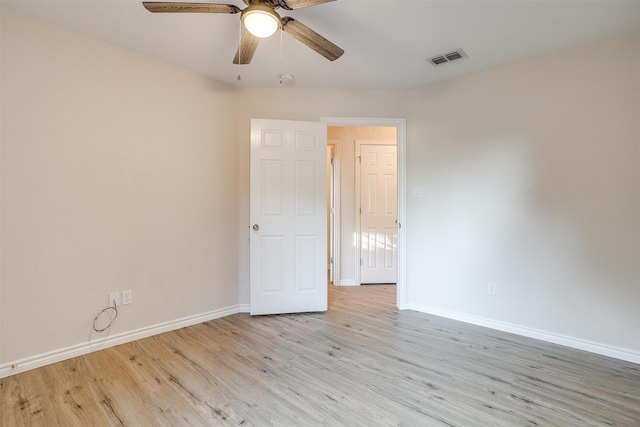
[288, 236]
[378, 214]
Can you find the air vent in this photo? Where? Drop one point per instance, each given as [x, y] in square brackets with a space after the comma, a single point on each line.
[447, 57]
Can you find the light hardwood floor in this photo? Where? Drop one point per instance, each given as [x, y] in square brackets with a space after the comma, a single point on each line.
[363, 363]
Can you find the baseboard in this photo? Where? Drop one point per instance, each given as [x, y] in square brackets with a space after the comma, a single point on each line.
[44, 359]
[15, 367]
[577, 343]
[347, 283]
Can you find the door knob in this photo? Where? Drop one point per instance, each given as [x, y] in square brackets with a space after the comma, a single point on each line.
[256, 227]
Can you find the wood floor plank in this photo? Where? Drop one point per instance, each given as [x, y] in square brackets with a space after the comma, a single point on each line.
[362, 363]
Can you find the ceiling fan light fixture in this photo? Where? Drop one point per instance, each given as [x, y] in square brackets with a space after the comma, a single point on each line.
[260, 20]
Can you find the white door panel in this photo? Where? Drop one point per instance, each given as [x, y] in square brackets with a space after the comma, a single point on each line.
[378, 201]
[288, 217]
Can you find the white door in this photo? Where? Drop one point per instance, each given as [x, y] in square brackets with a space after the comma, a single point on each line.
[379, 213]
[288, 243]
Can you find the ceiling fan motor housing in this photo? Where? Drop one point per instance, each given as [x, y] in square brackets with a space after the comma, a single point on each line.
[261, 19]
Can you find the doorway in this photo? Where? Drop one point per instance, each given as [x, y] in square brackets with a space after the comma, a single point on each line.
[345, 138]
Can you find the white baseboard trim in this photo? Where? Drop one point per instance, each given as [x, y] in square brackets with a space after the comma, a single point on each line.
[567, 341]
[244, 308]
[347, 283]
[48, 358]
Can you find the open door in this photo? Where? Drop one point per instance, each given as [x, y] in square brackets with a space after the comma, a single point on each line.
[288, 236]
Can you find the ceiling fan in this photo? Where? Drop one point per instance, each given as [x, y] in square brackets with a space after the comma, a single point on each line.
[261, 20]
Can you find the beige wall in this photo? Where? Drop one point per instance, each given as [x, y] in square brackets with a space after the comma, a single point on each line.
[531, 181]
[118, 172]
[121, 172]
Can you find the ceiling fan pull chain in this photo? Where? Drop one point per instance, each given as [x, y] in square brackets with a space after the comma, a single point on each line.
[239, 77]
[281, 68]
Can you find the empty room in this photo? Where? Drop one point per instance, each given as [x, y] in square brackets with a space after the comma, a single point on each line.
[319, 213]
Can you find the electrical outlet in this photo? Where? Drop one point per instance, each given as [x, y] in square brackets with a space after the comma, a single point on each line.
[114, 298]
[127, 297]
[491, 289]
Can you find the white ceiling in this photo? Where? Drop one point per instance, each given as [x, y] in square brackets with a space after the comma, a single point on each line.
[386, 43]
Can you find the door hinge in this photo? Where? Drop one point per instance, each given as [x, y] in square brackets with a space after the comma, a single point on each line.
[360, 211]
[331, 260]
[359, 159]
[360, 261]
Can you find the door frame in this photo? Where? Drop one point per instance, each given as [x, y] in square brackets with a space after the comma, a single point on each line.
[401, 135]
[358, 193]
[335, 180]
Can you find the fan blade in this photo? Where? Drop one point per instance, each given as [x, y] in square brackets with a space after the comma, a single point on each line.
[299, 4]
[315, 41]
[247, 48]
[166, 7]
